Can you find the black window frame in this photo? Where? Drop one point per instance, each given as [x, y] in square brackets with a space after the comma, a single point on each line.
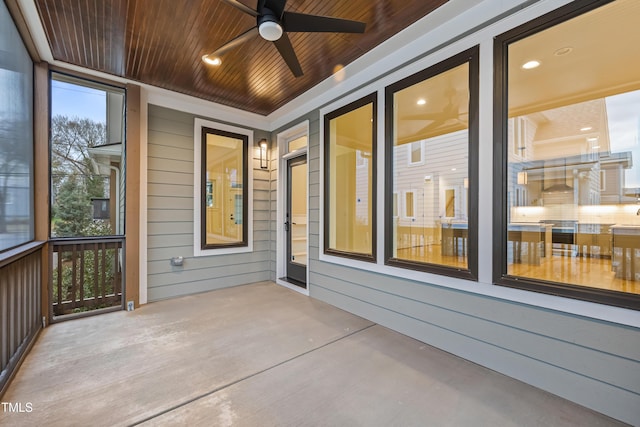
[500, 166]
[373, 100]
[472, 57]
[203, 192]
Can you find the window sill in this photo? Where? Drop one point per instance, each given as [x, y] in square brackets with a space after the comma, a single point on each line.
[586, 309]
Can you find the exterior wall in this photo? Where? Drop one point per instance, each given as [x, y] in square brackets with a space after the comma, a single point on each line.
[591, 362]
[170, 205]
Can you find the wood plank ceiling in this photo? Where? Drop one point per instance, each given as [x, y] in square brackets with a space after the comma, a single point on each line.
[161, 42]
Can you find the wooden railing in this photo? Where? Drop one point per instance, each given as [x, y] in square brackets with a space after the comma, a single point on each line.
[20, 305]
[86, 275]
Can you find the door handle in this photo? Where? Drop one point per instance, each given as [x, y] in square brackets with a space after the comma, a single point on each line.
[286, 226]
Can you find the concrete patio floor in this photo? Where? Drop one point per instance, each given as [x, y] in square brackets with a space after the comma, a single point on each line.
[262, 355]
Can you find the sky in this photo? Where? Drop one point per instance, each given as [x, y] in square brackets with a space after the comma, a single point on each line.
[77, 101]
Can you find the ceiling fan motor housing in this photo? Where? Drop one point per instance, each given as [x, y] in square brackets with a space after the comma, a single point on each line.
[269, 25]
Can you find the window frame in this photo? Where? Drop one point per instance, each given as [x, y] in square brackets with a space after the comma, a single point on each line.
[472, 57]
[200, 248]
[361, 102]
[501, 159]
[96, 83]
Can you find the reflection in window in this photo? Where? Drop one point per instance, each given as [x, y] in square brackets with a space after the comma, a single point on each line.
[431, 134]
[349, 180]
[573, 165]
[224, 156]
[296, 144]
[16, 137]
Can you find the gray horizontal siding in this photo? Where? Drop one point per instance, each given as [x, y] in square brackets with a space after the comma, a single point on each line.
[170, 210]
[594, 363]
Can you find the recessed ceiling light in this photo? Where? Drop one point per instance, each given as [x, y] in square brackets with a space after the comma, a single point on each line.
[592, 139]
[212, 60]
[421, 101]
[595, 147]
[563, 51]
[453, 169]
[531, 64]
[585, 129]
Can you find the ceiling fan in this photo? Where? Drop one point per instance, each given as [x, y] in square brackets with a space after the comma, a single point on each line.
[273, 23]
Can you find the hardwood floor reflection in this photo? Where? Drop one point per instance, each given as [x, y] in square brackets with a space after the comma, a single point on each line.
[562, 268]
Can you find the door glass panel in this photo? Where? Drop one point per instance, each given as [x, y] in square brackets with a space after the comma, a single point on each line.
[299, 214]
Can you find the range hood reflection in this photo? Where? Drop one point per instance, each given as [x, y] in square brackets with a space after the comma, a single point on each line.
[558, 188]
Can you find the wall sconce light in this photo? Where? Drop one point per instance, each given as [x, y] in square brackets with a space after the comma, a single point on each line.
[523, 179]
[263, 154]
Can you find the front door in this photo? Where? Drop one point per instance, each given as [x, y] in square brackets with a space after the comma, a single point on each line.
[296, 221]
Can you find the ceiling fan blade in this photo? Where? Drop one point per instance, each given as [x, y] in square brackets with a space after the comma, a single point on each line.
[300, 22]
[241, 7]
[276, 6]
[288, 54]
[235, 42]
[431, 126]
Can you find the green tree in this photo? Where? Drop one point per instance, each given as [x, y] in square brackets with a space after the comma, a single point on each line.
[74, 176]
[72, 209]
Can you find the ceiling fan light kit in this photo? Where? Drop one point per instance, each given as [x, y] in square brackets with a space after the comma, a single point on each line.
[273, 22]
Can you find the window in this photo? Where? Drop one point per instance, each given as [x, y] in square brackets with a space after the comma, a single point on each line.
[87, 158]
[570, 88]
[350, 195]
[16, 137]
[409, 205]
[224, 178]
[415, 153]
[432, 127]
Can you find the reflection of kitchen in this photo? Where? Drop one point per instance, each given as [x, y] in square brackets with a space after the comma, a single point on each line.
[579, 203]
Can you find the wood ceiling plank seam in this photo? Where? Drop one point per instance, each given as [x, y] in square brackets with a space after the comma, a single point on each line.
[79, 37]
[132, 40]
[47, 19]
[191, 43]
[69, 48]
[120, 55]
[116, 50]
[90, 54]
[99, 46]
[87, 51]
[140, 51]
[150, 54]
[108, 31]
[188, 45]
